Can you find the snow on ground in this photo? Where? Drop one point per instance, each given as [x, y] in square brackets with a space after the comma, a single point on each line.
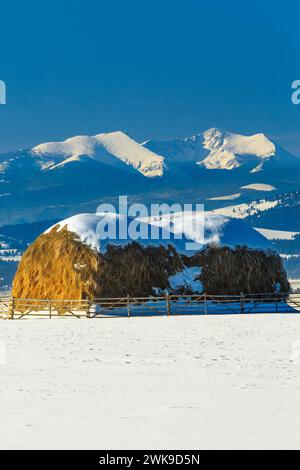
[295, 283]
[230, 197]
[187, 278]
[259, 187]
[241, 211]
[229, 381]
[276, 234]
[11, 258]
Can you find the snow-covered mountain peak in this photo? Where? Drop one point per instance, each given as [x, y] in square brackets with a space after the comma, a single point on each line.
[228, 151]
[98, 147]
[216, 149]
[79, 145]
[130, 152]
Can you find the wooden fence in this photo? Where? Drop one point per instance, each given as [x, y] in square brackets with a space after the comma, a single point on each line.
[169, 305]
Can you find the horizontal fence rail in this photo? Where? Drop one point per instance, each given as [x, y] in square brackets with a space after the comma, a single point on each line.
[170, 305]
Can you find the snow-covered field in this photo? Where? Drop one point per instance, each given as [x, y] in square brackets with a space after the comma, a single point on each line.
[259, 187]
[230, 197]
[196, 382]
[276, 234]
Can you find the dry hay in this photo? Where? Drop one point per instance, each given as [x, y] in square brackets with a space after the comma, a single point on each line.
[137, 270]
[56, 266]
[242, 269]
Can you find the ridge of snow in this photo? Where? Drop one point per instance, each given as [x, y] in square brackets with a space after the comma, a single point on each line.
[259, 187]
[228, 151]
[230, 197]
[117, 144]
[276, 234]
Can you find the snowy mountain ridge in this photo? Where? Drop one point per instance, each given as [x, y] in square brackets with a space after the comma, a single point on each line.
[228, 151]
[220, 150]
[117, 144]
[54, 180]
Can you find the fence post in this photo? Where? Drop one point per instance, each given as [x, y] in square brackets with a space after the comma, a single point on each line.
[205, 306]
[50, 310]
[276, 302]
[242, 303]
[88, 310]
[168, 304]
[11, 309]
[128, 306]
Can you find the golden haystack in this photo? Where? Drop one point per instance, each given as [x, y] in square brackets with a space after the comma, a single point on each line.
[57, 266]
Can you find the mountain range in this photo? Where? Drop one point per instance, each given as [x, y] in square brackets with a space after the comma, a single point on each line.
[60, 179]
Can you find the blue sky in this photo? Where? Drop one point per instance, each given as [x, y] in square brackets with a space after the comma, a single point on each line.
[153, 68]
